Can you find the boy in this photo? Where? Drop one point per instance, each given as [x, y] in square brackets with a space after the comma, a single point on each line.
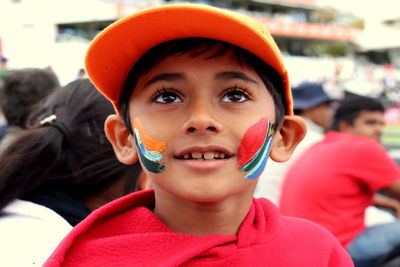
[202, 115]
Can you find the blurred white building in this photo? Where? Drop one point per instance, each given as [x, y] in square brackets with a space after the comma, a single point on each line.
[30, 35]
[56, 33]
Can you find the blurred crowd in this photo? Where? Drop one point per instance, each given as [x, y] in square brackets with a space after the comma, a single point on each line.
[57, 164]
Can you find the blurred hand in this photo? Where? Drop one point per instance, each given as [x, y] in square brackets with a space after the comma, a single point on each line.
[386, 202]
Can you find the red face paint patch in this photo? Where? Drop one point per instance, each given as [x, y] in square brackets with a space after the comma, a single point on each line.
[252, 141]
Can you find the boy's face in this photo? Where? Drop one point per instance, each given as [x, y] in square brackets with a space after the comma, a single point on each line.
[201, 108]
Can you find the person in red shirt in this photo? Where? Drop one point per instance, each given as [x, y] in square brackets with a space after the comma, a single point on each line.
[337, 179]
[202, 99]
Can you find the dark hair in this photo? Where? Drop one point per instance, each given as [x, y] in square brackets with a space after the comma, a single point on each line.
[351, 107]
[21, 90]
[71, 153]
[196, 47]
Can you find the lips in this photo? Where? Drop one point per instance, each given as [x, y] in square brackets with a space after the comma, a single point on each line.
[204, 153]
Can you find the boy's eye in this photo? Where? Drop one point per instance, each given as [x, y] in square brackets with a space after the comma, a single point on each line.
[235, 96]
[167, 97]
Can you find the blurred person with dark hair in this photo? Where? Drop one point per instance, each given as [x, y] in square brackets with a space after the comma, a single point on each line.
[314, 105]
[361, 116]
[81, 74]
[56, 172]
[20, 91]
[339, 177]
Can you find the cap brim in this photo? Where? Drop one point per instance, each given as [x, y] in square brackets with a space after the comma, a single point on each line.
[115, 50]
[310, 103]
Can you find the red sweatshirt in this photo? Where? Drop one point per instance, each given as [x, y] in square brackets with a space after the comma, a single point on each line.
[125, 232]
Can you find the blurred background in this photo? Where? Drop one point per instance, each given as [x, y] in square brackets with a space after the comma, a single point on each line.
[350, 46]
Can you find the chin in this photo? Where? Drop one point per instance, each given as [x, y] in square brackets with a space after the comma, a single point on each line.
[200, 187]
[377, 138]
[207, 199]
[203, 195]
[216, 194]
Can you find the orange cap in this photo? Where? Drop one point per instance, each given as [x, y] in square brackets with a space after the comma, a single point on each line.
[118, 47]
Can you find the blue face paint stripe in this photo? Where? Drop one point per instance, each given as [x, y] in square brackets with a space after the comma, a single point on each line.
[260, 167]
[257, 172]
[150, 155]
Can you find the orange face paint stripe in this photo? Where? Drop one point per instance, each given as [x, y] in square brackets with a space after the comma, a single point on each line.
[150, 143]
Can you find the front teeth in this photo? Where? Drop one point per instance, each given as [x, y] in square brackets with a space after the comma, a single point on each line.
[205, 156]
[197, 155]
[208, 155]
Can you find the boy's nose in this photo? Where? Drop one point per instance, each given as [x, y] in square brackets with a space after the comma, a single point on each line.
[201, 121]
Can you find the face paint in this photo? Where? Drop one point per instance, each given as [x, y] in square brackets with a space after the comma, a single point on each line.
[254, 148]
[149, 149]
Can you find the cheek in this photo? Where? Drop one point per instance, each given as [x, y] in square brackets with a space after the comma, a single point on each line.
[254, 148]
[149, 149]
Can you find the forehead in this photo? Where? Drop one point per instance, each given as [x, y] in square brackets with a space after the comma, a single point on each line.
[193, 48]
[216, 53]
[205, 62]
[366, 115]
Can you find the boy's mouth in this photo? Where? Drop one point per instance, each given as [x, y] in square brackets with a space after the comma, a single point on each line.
[204, 154]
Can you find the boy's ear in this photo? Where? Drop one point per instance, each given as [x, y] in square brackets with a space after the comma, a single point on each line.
[287, 137]
[121, 140]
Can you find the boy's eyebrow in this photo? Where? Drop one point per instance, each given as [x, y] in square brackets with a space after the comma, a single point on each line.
[166, 77]
[229, 75]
